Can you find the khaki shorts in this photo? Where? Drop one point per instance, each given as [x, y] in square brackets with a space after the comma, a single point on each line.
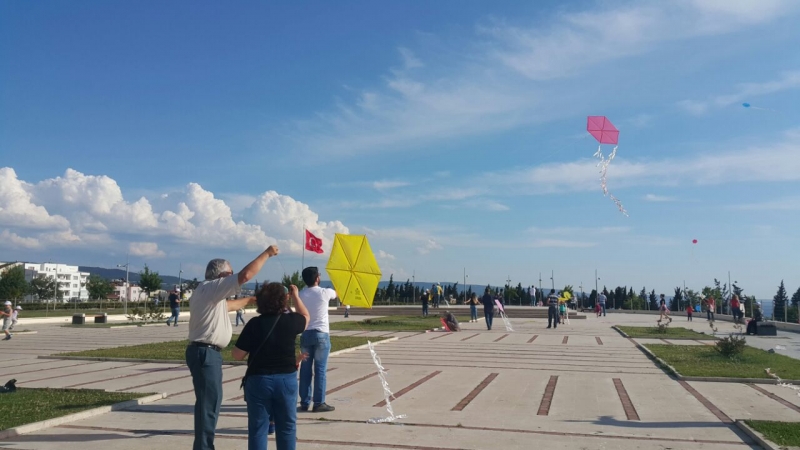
[6, 323]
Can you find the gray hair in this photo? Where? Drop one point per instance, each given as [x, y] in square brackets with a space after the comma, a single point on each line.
[217, 267]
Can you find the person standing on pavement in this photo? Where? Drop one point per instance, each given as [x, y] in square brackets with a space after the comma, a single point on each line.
[209, 332]
[5, 314]
[15, 317]
[316, 341]
[423, 298]
[601, 300]
[174, 306]
[270, 383]
[488, 307]
[710, 308]
[736, 309]
[473, 307]
[552, 309]
[240, 317]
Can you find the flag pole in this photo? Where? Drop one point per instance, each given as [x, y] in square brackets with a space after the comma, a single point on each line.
[303, 260]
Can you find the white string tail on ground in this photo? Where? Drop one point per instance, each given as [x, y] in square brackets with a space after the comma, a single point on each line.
[387, 393]
[603, 164]
[780, 382]
[506, 322]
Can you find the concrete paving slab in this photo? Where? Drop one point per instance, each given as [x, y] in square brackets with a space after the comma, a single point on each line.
[741, 402]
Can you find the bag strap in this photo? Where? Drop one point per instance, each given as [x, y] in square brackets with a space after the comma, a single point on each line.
[272, 328]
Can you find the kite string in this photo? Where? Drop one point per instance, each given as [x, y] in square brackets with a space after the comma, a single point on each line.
[603, 164]
[387, 392]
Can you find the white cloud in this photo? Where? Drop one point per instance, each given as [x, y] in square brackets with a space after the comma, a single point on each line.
[388, 184]
[17, 207]
[582, 231]
[429, 246]
[780, 204]
[745, 93]
[92, 212]
[658, 198]
[13, 240]
[575, 41]
[145, 250]
[769, 162]
[410, 61]
[559, 243]
[387, 256]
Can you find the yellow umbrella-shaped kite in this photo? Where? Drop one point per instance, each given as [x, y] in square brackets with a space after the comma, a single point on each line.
[353, 270]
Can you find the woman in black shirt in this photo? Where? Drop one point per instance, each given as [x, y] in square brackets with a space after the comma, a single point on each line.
[270, 387]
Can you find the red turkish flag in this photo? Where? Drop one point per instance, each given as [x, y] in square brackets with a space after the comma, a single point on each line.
[313, 243]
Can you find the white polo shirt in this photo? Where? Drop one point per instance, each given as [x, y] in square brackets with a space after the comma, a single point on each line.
[208, 319]
[317, 300]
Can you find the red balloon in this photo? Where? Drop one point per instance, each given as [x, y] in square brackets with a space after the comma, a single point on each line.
[694, 241]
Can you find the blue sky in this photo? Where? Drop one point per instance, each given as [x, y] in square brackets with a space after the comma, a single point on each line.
[452, 133]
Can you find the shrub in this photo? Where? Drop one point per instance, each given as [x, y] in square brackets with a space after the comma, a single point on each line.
[731, 346]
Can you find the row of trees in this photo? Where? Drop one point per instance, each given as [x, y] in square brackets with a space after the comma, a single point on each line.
[13, 285]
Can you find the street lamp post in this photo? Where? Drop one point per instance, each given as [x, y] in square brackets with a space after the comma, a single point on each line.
[552, 281]
[508, 285]
[127, 284]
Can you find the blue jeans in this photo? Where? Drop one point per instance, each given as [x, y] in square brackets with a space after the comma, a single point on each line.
[318, 345]
[205, 364]
[603, 307]
[271, 397]
[488, 315]
[425, 309]
[175, 313]
[473, 312]
[239, 316]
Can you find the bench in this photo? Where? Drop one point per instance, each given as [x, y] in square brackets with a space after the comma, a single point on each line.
[767, 329]
[79, 319]
[101, 318]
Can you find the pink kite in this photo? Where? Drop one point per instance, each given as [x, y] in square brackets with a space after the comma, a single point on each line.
[602, 129]
[499, 305]
[606, 133]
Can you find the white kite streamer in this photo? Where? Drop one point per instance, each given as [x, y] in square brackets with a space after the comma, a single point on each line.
[506, 321]
[603, 164]
[780, 382]
[387, 393]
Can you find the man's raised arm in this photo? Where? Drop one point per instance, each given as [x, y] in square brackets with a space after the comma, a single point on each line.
[252, 269]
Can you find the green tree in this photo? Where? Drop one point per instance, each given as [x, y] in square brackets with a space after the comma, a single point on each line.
[653, 300]
[191, 285]
[99, 288]
[150, 282]
[13, 285]
[780, 300]
[677, 300]
[294, 279]
[390, 288]
[796, 298]
[44, 288]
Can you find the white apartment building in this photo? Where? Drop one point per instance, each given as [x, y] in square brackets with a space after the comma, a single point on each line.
[134, 292]
[71, 282]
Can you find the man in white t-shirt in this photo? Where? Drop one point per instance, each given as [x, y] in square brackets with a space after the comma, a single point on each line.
[315, 341]
[532, 293]
[601, 299]
[209, 332]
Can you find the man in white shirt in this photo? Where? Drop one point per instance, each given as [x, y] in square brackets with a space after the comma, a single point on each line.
[209, 332]
[315, 341]
[601, 298]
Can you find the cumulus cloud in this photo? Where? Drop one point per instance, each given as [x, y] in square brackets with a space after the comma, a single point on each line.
[658, 198]
[17, 207]
[90, 210]
[145, 249]
[386, 256]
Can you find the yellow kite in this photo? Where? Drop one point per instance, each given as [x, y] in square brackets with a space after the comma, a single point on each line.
[353, 270]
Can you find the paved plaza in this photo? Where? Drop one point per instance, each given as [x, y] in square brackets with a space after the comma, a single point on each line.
[580, 386]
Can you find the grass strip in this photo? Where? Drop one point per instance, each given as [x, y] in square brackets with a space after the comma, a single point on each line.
[34, 405]
[706, 361]
[394, 323]
[785, 434]
[176, 350]
[669, 333]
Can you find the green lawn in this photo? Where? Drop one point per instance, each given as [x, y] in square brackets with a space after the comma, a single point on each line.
[705, 361]
[782, 433]
[394, 323]
[672, 333]
[176, 350]
[34, 405]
